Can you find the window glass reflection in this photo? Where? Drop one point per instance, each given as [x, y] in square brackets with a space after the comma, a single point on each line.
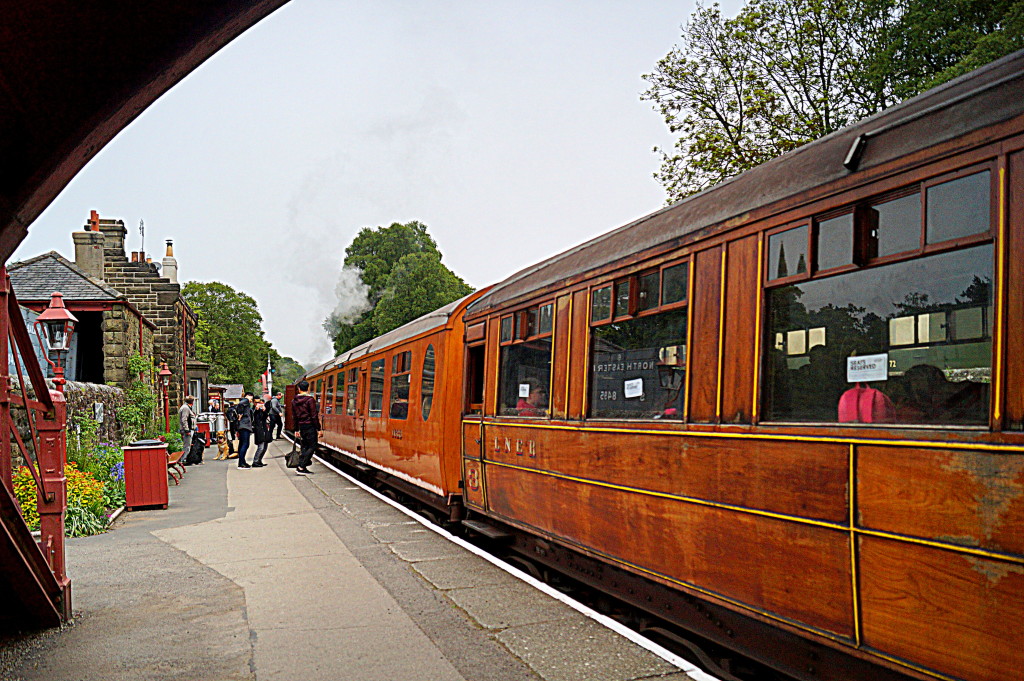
[958, 208]
[601, 304]
[896, 226]
[525, 378]
[376, 406]
[427, 382]
[674, 282]
[835, 242]
[929, 321]
[638, 367]
[787, 253]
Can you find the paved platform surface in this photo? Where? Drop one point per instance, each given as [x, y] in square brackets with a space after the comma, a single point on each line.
[263, 574]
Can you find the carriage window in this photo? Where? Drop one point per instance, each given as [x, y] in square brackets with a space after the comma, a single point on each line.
[958, 208]
[917, 334]
[427, 382]
[787, 253]
[320, 393]
[401, 366]
[545, 318]
[638, 367]
[622, 298]
[376, 406]
[895, 226]
[475, 379]
[648, 289]
[506, 328]
[525, 370]
[835, 242]
[674, 281]
[339, 393]
[353, 393]
[601, 304]
[329, 396]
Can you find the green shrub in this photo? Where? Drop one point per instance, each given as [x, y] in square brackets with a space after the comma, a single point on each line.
[86, 512]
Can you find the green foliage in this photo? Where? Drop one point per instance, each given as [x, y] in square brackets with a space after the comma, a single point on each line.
[401, 277]
[229, 335]
[741, 91]
[286, 370]
[137, 413]
[86, 512]
[418, 284]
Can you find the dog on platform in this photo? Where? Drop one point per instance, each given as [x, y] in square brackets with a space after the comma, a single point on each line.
[223, 451]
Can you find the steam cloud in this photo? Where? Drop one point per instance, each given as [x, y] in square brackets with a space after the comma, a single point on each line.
[352, 295]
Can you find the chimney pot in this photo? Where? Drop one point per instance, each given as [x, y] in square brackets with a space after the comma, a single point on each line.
[170, 248]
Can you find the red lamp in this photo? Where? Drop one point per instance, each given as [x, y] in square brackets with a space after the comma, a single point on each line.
[54, 327]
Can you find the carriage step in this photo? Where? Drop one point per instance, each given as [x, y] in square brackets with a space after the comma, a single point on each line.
[486, 529]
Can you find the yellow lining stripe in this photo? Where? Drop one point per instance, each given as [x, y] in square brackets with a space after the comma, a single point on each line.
[689, 337]
[997, 392]
[922, 444]
[721, 335]
[568, 358]
[757, 321]
[852, 503]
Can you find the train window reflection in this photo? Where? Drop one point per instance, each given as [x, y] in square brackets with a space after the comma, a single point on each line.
[674, 281]
[787, 253]
[601, 304]
[622, 298]
[545, 318]
[638, 367]
[506, 329]
[329, 396]
[353, 394]
[376, 406]
[895, 226]
[648, 290]
[427, 382]
[958, 208]
[925, 324]
[525, 378]
[835, 242]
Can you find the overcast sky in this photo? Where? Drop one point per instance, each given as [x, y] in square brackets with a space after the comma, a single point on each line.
[513, 129]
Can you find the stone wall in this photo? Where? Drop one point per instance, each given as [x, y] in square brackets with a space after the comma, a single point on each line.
[81, 400]
[121, 341]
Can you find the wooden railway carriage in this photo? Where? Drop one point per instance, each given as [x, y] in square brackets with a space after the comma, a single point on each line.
[792, 403]
[392, 403]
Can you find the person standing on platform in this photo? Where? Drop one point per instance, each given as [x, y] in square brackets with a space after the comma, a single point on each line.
[275, 410]
[260, 433]
[232, 415]
[244, 411]
[306, 413]
[186, 424]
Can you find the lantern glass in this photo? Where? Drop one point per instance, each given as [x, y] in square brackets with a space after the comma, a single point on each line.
[57, 335]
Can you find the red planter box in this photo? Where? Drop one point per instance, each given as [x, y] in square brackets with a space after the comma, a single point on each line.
[145, 474]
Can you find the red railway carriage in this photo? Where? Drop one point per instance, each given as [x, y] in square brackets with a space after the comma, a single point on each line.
[394, 404]
[792, 404]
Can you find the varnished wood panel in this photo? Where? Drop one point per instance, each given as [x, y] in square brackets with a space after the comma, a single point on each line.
[580, 353]
[1014, 381]
[795, 571]
[740, 343]
[559, 370]
[473, 492]
[962, 497]
[703, 378]
[957, 613]
[791, 478]
[471, 440]
[491, 367]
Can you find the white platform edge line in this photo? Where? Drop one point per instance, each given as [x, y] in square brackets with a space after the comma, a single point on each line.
[687, 667]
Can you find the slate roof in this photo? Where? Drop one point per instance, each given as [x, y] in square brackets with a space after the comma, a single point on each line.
[35, 279]
[232, 391]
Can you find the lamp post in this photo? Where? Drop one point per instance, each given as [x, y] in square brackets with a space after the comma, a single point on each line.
[54, 327]
[165, 381]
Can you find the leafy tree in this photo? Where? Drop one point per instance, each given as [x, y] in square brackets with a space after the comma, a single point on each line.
[400, 266]
[784, 72]
[418, 284]
[230, 334]
[286, 370]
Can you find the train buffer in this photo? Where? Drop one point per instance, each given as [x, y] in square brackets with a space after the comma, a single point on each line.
[262, 574]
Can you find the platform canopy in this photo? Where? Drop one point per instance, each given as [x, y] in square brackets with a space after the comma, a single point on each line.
[73, 74]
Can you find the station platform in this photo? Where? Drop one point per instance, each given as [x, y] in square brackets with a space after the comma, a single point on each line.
[263, 574]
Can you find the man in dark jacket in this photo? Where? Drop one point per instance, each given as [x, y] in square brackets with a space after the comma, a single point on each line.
[275, 409]
[306, 413]
[244, 411]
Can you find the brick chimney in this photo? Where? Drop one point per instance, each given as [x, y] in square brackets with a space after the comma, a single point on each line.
[170, 265]
[89, 247]
[114, 233]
